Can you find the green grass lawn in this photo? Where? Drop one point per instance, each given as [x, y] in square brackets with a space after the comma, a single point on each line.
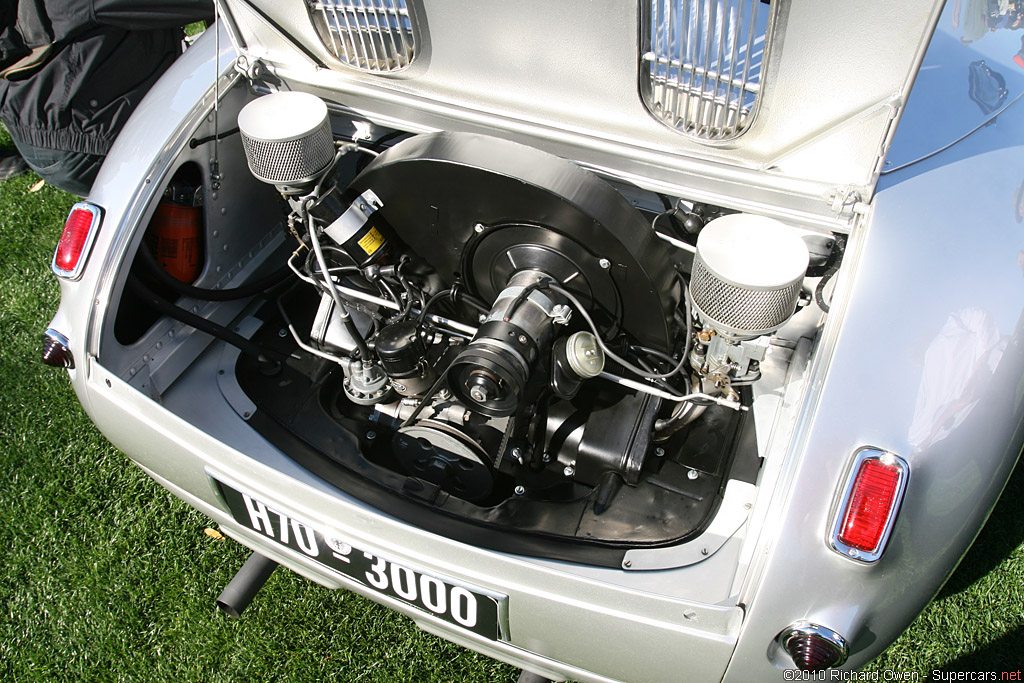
[106, 577]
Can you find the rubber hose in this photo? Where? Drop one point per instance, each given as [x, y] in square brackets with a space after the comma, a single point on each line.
[184, 289]
[200, 323]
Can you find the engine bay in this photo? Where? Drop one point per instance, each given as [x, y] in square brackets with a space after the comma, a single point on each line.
[495, 344]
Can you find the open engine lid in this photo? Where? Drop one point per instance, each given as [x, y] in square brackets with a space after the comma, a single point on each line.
[567, 77]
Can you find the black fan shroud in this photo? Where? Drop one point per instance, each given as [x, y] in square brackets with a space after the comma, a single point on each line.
[479, 208]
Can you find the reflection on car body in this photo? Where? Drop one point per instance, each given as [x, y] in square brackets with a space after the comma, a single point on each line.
[610, 343]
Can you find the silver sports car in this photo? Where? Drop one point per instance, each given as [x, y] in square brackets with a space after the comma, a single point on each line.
[612, 340]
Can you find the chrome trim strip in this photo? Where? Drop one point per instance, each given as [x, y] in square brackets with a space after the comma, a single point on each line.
[839, 514]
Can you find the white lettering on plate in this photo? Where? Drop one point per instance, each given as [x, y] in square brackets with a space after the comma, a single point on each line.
[434, 594]
[376, 576]
[305, 538]
[463, 607]
[259, 516]
[403, 581]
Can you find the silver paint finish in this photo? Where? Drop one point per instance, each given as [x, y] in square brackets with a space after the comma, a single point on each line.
[823, 121]
[912, 280]
[546, 600]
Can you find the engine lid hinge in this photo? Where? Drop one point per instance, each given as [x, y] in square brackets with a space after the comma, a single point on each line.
[848, 202]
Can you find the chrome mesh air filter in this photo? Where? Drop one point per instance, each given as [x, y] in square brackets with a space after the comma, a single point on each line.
[287, 137]
[747, 275]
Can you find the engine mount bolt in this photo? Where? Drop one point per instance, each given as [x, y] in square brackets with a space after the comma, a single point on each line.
[569, 470]
[605, 263]
[692, 474]
[520, 490]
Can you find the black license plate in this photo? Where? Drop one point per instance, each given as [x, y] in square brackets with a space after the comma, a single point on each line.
[457, 603]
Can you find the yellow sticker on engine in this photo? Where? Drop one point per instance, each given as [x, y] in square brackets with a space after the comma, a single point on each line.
[371, 241]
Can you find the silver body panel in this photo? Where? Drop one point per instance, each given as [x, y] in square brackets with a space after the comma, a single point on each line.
[564, 77]
[907, 273]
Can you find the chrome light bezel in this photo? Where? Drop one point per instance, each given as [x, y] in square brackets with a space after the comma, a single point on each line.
[843, 500]
[806, 630]
[76, 272]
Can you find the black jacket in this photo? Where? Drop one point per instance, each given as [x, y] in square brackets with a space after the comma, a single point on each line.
[74, 70]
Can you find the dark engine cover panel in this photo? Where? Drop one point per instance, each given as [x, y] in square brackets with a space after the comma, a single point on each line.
[537, 211]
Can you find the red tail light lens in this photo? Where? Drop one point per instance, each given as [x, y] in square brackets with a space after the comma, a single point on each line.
[813, 647]
[870, 500]
[56, 350]
[73, 248]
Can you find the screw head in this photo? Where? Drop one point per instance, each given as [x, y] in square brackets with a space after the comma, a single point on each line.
[659, 452]
[282, 333]
[569, 470]
[517, 453]
[520, 490]
[692, 474]
[478, 228]
[605, 263]
[371, 435]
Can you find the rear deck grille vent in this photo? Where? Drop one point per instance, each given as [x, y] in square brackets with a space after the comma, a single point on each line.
[701, 69]
[375, 36]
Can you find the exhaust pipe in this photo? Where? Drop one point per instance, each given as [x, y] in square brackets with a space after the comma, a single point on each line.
[237, 595]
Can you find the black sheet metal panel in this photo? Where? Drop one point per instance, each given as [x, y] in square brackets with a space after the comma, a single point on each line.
[298, 412]
[437, 187]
